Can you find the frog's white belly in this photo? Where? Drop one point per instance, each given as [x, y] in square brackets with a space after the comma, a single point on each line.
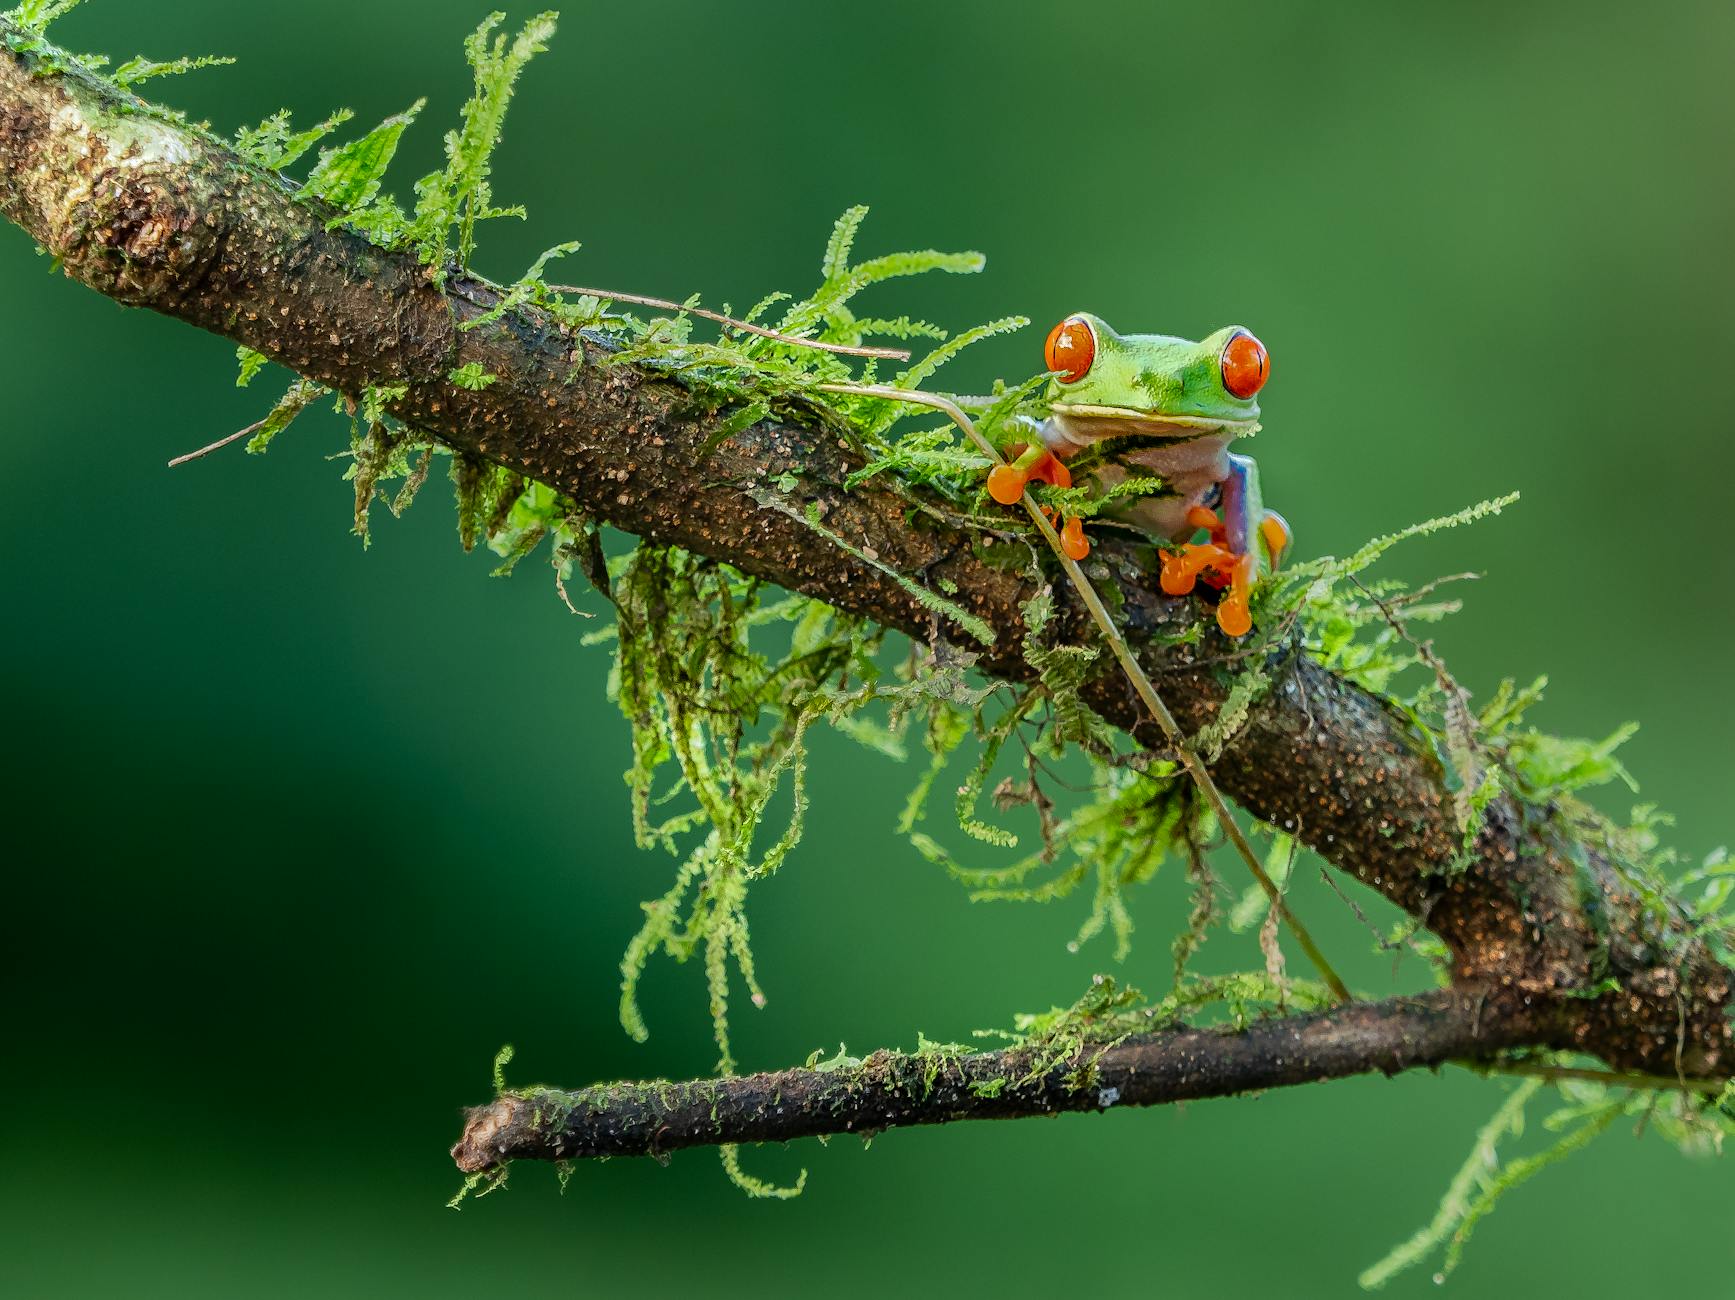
[1190, 464]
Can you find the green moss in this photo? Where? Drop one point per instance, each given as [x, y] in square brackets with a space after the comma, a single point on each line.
[251, 364]
[479, 1185]
[274, 144]
[473, 377]
[349, 178]
[757, 1187]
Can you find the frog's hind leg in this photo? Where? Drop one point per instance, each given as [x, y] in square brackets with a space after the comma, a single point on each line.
[1252, 538]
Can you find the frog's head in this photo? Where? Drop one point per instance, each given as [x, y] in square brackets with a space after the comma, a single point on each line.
[1153, 385]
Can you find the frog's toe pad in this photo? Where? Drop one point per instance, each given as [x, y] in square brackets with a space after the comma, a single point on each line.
[1233, 616]
[1175, 580]
[1073, 541]
[1006, 484]
[1275, 531]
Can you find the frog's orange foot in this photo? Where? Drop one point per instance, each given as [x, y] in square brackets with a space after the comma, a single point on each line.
[1219, 567]
[1181, 568]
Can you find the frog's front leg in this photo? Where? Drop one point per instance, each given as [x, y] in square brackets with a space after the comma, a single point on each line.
[1038, 463]
[1246, 542]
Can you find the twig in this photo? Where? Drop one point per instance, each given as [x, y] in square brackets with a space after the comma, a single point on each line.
[221, 443]
[1380, 941]
[896, 1090]
[847, 349]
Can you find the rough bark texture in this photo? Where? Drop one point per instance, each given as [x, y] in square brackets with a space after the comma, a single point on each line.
[158, 215]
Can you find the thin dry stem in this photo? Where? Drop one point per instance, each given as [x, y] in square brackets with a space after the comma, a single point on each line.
[221, 443]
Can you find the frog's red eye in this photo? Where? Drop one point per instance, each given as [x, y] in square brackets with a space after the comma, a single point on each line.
[1246, 365]
[1071, 348]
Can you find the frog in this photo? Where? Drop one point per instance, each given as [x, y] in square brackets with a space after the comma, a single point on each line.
[1154, 406]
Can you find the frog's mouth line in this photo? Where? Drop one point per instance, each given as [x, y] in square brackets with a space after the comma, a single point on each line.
[1133, 421]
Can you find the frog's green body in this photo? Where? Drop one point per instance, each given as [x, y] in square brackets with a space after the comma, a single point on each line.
[1151, 406]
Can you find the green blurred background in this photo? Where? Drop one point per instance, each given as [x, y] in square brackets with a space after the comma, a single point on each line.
[302, 833]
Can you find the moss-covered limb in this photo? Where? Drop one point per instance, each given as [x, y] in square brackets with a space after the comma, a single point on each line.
[897, 1090]
[158, 214]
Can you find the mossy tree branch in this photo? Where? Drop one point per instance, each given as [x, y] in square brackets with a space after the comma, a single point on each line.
[157, 214]
[894, 1090]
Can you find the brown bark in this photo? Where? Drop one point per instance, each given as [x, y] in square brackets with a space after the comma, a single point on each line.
[159, 215]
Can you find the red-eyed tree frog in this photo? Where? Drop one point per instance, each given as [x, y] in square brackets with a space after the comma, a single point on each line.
[1150, 406]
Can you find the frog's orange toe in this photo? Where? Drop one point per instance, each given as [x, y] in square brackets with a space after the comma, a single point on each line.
[1203, 517]
[1274, 528]
[1006, 484]
[1181, 569]
[1073, 541]
[1176, 577]
[1233, 615]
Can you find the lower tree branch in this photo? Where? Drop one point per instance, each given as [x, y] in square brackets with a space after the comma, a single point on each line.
[893, 1090]
[157, 214]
